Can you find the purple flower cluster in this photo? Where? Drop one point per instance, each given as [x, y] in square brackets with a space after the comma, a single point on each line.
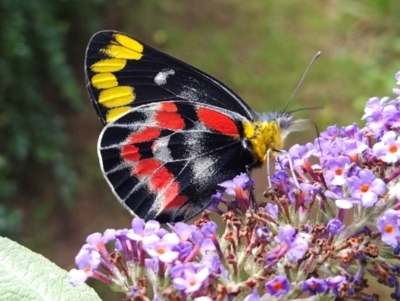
[186, 258]
[352, 173]
[322, 234]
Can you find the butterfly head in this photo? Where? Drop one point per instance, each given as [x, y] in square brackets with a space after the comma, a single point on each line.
[267, 134]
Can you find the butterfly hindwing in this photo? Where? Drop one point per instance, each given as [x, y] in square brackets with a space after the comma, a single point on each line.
[163, 160]
[122, 72]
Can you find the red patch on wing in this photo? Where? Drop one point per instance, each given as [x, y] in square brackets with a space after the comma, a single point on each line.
[168, 107]
[218, 122]
[172, 199]
[146, 167]
[161, 179]
[170, 120]
[145, 135]
[130, 152]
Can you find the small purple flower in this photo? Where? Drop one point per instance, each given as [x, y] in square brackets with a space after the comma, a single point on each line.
[99, 241]
[334, 283]
[238, 187]
[262, 233]
[77, 277]
[298, 247]
[388, 149]
[314, 286]
[132, 292]
[177, 269]
[353, 148]
[87, 260]
[191, 279]
[336, 193]
[271, 258]
[389, 227]
[307, 191]
[391, 115]
[241, 181]
[331, 133]
[335, 170]
[366, 187]
[152, 264]
[292, 244]
[335, 226]
[253, 296]
[299, 155]
[273, 210]
[278, 286]
[205, 243]
[203, 298]
[214, 265]
[140, 229]
[97, 238]
[397, 77]
[184, 231]
[350, 131]
[280, 178]
[373, 109]
[161, 248]
[286, 235]
[386, 119]
[347, 202]
[209, 229]
[216, 199]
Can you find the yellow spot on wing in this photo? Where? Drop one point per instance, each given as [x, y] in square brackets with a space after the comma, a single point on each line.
[114, 114]
[121, 52]
[108, 65]
[129, 42]
[263, 136]
[104, 81]
[124, 48]
[117, 97]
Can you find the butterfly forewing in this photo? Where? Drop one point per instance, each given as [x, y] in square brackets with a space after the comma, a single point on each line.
[123, 72]
[164, 160]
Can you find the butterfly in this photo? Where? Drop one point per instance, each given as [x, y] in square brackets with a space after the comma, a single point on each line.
[171, 132]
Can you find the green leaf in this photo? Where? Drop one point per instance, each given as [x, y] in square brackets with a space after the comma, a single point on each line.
[25, 275]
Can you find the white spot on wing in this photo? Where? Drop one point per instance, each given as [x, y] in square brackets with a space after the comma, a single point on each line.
[202, 169]
[161, 150]
[189, 93]
[161, 77]
[193, 144]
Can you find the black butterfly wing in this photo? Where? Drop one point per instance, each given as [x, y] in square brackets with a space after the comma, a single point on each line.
[164, 160]
[122, 72]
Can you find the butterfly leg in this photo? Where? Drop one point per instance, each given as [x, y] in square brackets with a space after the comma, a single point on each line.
[286, 154]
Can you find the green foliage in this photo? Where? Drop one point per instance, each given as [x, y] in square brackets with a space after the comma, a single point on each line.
[25, 275]
[36, 85]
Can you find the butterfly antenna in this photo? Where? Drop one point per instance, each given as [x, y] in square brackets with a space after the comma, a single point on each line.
[306, 109]
[317, 55]
[316, 129]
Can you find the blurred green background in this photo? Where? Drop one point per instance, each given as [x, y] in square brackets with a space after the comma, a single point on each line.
[51, 189]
